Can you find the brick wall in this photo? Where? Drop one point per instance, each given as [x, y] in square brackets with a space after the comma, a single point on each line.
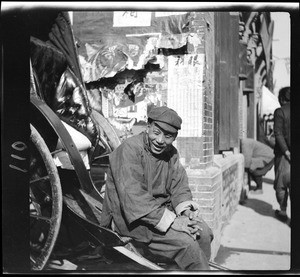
[208, 100]
[197, 152]
[203, 26]
[217, 190]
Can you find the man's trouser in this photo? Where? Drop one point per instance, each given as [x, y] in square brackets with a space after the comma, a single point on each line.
[281, 188]
[258, 173]
[189, 254]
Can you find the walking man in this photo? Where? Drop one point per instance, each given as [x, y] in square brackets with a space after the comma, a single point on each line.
[282, 151]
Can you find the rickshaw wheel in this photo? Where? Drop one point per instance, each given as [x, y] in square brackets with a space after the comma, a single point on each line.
[45, 199]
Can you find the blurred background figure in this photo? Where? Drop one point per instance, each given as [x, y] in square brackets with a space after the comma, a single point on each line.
[268, 138]
[282, 151]
[259, 159]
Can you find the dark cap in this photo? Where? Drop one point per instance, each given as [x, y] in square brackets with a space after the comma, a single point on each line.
[166, 118]
[284, 94]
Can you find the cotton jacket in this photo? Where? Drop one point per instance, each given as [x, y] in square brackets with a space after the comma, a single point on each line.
[143, 191]
[282, 129]
[256, 154]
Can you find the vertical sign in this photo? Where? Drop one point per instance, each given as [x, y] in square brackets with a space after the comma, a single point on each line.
[131, 18]
[185, 91]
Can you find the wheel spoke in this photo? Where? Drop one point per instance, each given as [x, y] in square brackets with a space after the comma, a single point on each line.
[45, 178]
[45, 201]
[40, 217]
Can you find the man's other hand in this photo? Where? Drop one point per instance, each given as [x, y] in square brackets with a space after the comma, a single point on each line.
[193, 215]
[288, 155]
[186, 225]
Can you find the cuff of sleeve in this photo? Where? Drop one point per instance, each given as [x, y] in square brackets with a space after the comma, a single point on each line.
[186, 205]
[166, 221]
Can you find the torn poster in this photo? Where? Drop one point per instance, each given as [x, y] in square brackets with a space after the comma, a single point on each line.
[110, 42]
[185, 91]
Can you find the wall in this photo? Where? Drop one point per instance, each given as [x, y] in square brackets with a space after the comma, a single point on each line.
[217, 190]
[216, 181]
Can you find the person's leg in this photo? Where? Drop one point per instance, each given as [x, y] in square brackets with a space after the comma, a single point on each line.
[259, 182]
[263, 171]
[281, 191]
[257, 175]
[248, 177]
[183, 249]
[276, 165]
[205, 239]
[282, 197]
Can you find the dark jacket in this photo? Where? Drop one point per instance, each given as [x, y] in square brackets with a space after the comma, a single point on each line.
[282, 129]
[140, 186]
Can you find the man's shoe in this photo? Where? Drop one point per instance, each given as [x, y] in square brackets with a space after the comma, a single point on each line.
[257, 191]
[281, 215]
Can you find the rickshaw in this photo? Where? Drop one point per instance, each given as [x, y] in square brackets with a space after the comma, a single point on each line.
[69, 147]
[65, 130]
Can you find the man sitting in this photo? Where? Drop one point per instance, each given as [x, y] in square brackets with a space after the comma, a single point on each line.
[148, 197]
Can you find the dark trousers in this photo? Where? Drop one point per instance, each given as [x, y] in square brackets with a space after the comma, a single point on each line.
[189, 254]
[257, 174]
[281, 188]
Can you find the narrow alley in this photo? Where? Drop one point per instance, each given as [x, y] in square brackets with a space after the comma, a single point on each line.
[254, 239]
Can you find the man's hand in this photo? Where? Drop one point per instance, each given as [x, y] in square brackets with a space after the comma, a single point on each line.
[288, 155]
[193, 215]
[186, 225]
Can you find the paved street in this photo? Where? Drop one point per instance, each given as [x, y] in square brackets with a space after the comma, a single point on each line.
[254, 239]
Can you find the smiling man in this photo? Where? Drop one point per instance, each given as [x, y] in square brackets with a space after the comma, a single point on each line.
[148, 197]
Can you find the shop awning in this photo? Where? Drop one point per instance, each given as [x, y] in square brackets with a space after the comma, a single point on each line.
[269, 102]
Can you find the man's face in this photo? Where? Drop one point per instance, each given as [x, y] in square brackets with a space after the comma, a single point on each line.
[159, 139]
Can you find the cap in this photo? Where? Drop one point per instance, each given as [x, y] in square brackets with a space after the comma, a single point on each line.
[284, 94]
[166, 118]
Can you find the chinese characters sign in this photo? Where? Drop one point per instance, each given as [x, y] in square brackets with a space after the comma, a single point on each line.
[185, 91]
[131, 18]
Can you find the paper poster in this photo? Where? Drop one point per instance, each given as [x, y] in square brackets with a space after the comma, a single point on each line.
[131, 18]
[185, 91]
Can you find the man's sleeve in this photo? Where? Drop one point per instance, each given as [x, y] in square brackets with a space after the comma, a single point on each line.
[181, 195]
[278, 129]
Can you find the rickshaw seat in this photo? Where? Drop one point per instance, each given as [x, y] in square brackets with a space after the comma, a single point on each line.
[82, 143]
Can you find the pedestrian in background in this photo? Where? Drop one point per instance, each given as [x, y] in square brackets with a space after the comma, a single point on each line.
[262, 137]
[259, 159]
[282, 151]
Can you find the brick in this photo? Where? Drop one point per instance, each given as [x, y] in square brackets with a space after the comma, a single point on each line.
[204, 202]
[206, 152]
[208, 216]
[205, 195]
[202, 180]
[203, 187]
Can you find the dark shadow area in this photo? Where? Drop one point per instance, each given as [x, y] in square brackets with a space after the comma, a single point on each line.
[223, 254]
[263, 208]
[260, 207]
